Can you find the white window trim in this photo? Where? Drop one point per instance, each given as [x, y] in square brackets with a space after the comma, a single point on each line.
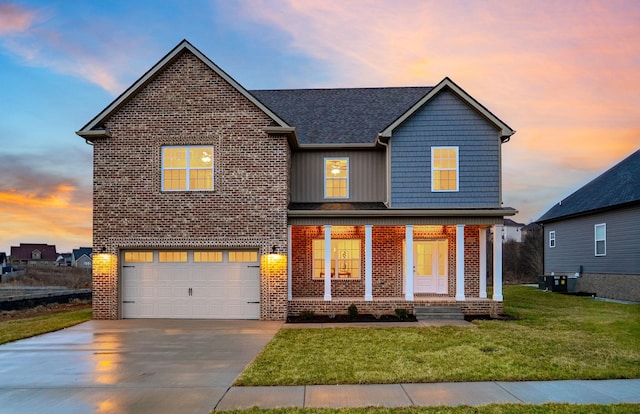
[457, 169]
[552, 239]
[596, 240]
[188, 169]
[324, 168]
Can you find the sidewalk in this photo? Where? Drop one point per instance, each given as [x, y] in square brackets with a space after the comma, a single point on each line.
[449, 394]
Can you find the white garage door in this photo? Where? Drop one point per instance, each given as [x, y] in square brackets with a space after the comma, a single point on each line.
[191, 284]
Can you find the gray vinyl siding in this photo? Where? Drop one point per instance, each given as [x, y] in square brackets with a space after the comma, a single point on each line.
[366, 176]
[445, 121]
[575, 243]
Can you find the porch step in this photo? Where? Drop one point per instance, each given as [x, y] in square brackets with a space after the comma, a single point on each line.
[424, 313]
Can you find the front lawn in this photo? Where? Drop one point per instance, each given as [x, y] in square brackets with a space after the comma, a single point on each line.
[554, 337]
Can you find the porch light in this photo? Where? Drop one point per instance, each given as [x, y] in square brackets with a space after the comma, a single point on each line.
[274, 250]
[206, 158]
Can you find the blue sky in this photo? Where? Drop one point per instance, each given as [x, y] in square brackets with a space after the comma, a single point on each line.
[563, 74]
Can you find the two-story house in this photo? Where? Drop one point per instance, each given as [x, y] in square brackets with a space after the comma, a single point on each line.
[213, 201]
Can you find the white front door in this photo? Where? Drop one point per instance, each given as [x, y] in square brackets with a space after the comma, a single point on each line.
[430, 266]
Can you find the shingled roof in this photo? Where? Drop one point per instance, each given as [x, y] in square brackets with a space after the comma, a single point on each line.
[617, 186]
[340, 116]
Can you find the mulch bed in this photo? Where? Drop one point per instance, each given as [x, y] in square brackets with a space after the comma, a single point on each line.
[348, 319]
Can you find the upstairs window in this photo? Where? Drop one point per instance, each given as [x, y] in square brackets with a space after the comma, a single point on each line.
[600, 233]
[552, 239]
[444, 169]
[336, 178]
[187, 168]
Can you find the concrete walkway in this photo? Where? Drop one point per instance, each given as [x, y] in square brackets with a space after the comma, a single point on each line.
[449, 394]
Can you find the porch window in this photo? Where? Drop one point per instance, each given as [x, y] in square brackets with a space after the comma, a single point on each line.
[187, 168]
[345, 257]
[336, 178]
[600, 233]
[444, 169]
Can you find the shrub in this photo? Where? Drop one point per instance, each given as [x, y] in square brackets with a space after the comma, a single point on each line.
[306, 315]
[402, 313]
[352, 310]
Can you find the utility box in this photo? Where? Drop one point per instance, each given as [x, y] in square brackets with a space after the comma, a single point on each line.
[552, 283]
[572, 284]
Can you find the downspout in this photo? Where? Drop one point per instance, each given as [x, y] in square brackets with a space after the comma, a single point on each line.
[387, 183]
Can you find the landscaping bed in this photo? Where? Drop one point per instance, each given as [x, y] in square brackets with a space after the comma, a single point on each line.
[365, 317]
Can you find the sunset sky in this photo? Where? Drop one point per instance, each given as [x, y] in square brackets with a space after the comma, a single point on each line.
[564, 74]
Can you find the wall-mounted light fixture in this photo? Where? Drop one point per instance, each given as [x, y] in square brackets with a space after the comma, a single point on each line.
[274, 250]
[103, 249]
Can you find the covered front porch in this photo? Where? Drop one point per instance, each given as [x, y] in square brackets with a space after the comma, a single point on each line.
[386, 266]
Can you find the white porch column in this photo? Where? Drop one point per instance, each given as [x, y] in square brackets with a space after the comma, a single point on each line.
[483, 262]
[327, 263]
[289, 292]
[408, 265]
[368, 262]
[497, 262]
[460, 262]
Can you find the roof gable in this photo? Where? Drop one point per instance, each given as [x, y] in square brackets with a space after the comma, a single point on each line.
[617, 186]
[94, 128]
[446, 83]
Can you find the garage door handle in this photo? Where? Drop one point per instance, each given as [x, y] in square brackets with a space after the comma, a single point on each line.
[254, 266]
[128, 301]
[253, 302]
[127, 266]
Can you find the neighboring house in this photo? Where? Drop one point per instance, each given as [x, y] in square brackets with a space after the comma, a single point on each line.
[64, 259]
[531, 227]
[512, 231]
[81, 257]
[213, 201]
[3, 263]
[33, 254]
[593, 233]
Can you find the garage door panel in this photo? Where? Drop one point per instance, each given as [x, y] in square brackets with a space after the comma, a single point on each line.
[211, 290]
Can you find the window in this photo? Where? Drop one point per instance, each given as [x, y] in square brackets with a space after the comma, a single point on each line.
[172, 257]
[345, 256]
[552, 239]
[243, 256]
[187, 168]
[336, 178]
[141, 257]
[444, 169]
[207, 257]
[600, 233]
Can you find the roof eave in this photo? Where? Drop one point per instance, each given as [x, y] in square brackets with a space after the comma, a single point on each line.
[503, 212]
[92, 134]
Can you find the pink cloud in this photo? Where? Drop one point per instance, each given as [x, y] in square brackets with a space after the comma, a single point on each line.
[15, 18]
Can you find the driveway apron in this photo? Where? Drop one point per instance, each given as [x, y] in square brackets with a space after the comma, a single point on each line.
[126, 366]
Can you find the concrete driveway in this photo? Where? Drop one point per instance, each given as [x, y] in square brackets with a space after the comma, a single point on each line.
[129, 366]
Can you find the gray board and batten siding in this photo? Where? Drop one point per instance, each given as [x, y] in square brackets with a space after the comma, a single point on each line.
[575, 243]
[446, 121]
[366, 175]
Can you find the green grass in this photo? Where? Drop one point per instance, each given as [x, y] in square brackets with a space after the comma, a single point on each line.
[486, 409]
[554, 337]
[13, 330]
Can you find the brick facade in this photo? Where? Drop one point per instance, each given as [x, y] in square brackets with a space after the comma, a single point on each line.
[187, 103]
